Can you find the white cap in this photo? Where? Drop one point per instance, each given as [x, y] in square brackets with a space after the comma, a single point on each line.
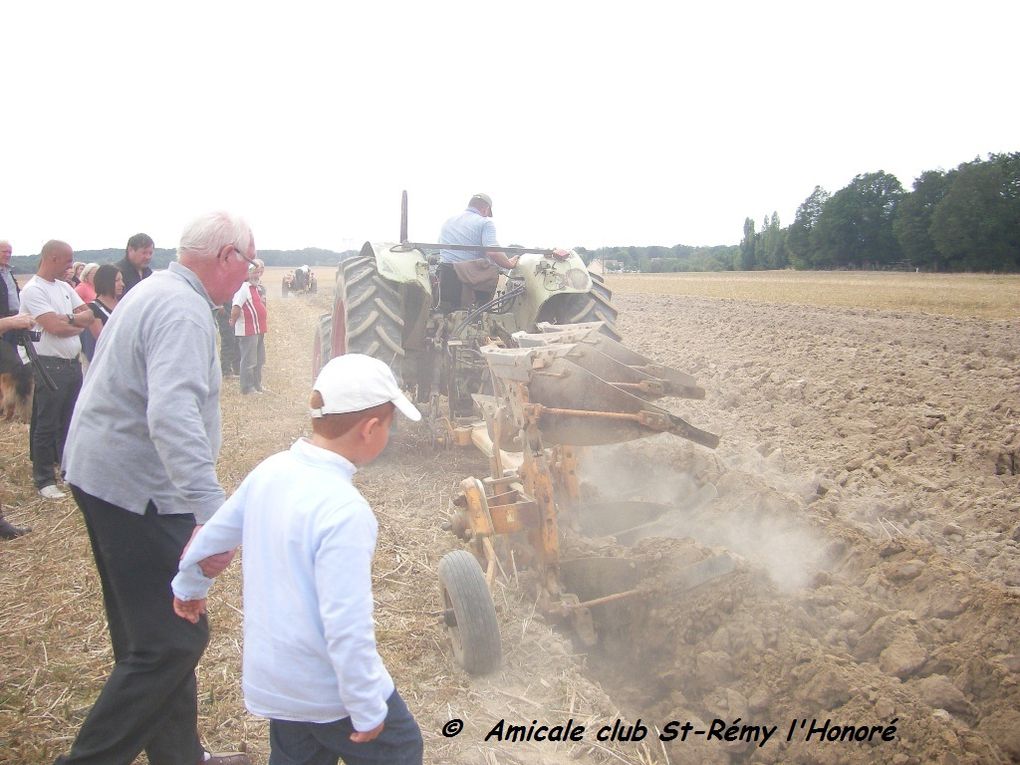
[355, 382]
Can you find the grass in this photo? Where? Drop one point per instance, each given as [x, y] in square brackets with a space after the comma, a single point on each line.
[959, 295]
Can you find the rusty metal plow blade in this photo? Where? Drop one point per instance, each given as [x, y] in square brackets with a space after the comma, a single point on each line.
[612, 360]
[575, 406]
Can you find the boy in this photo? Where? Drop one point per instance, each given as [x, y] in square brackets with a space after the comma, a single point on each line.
[310, 659]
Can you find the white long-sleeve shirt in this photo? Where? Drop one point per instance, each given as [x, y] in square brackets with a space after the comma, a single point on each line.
[309, 639]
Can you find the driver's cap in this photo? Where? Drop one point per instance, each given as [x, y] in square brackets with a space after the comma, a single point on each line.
[484, 198]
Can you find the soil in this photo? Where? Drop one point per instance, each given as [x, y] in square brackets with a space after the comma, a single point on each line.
[865, 488]
[868, 476]
[864, 494]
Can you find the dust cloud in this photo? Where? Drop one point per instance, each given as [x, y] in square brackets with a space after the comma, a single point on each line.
[744, 503]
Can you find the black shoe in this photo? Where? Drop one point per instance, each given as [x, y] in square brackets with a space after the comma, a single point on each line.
[9, 531]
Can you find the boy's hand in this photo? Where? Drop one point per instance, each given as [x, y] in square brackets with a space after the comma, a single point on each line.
[190, 609]
[359, 737]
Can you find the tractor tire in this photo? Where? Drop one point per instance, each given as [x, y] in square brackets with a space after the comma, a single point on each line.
[321, 346]
[595, 305]
[470, 616]
[604, 299]
[368, 315]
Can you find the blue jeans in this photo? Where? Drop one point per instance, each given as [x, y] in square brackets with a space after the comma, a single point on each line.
[307, 743]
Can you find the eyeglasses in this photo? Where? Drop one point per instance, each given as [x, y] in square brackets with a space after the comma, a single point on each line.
[244, 257]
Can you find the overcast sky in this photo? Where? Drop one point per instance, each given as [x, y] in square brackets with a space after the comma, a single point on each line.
[589, 123]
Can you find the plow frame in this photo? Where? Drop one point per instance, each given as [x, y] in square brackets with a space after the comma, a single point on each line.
[515, 516]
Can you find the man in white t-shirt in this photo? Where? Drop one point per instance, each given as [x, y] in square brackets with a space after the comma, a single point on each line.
[60, 316]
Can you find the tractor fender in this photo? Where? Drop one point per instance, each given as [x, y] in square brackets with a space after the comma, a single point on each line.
[399, 264]
[544, 278]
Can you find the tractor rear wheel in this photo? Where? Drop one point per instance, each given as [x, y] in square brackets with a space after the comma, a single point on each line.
[469, 614]
[368, 315]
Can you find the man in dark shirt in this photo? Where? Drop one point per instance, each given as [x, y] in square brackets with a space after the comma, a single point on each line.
[9, 288]
[7, 529]
[15, 375]
[135, 265]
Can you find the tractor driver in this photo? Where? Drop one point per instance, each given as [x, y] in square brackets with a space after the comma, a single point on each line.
[465, 276]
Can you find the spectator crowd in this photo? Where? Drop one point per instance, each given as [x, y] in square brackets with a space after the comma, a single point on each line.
[118, 343]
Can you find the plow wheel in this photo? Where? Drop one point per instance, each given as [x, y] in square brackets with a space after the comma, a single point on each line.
[594, 305]
[468, 613]
[368, 315]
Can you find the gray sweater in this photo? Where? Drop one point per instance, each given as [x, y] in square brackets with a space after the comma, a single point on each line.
[147, 422]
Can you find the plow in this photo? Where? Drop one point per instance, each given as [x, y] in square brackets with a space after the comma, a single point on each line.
[536, 378]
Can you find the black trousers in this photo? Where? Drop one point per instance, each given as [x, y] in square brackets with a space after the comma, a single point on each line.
[51, 417]
[451, 290]
[229, 353]
[307, 743]
[150, 700]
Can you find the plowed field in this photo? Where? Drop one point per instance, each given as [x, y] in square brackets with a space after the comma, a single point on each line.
[866, 486]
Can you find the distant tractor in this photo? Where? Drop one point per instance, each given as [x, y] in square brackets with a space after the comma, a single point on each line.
[300, 280]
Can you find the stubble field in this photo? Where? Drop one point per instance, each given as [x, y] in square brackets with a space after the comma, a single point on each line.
[867, 481]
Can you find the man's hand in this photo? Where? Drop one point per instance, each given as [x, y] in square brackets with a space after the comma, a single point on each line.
[359, 737]
[82, 317]
[20, 321]
[214, 565]
[190, 610]
[501, 260]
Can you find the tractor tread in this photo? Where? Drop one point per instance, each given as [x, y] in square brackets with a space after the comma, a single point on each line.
[373, 313]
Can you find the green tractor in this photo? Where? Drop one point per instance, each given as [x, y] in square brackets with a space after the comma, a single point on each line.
[386, 305]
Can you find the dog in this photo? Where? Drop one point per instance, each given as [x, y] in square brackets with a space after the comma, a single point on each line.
[17, 384]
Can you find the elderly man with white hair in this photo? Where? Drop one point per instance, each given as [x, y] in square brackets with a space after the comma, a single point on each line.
[140, 460]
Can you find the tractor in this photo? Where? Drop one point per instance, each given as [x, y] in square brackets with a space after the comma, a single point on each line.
[301, 280]
[533, 378]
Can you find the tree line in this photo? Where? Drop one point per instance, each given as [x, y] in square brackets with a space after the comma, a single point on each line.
[965, 219]
[656, 260]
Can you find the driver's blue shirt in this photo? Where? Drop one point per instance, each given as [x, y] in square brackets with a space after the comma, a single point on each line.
[469, 227]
